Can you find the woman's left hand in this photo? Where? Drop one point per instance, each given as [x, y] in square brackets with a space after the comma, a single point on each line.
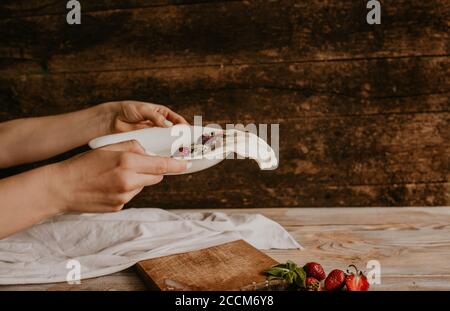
[134, 115]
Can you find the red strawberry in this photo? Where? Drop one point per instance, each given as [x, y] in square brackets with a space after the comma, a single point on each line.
[356, 281]
[315, 270]
[335, 280]
[312, 284]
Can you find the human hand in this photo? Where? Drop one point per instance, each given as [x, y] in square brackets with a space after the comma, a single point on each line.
[105, 179]
[133, 115]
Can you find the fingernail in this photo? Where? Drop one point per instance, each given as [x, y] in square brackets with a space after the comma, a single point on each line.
[188, 165]
[168, 123]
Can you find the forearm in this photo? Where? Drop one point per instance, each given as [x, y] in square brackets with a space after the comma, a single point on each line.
[27, 199]
[34, 139]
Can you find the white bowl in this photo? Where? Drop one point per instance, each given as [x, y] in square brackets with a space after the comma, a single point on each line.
[160, 141]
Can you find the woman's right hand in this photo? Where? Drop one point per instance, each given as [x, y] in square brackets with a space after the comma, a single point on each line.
[105, 179]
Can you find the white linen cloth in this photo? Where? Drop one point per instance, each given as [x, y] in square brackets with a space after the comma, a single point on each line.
[107, 243]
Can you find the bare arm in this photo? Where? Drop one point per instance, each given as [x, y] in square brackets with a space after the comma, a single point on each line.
[27, 199]
[35, 139]
[97, 181]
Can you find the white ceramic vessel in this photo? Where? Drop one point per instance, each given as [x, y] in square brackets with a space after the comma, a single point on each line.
[160, 141]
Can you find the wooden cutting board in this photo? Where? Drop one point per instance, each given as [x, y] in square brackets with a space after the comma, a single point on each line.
[232, 266]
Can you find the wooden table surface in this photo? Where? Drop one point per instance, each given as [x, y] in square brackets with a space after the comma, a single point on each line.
[411, 244]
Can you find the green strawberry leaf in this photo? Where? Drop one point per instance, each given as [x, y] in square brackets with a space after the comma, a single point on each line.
[289, 271]
[301, 277]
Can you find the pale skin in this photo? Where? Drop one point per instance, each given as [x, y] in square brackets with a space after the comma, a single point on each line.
[97, 181]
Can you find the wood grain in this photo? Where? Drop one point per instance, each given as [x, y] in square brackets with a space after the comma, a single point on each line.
[239, 93]
[126, 280]
[405, 241]
[231, 266]
[218, 33]
[363, 110]
[411, 245]
[11, 8]
[427, 194]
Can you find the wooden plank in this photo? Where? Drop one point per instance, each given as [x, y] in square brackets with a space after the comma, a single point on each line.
[231, 266]
[342, 216]
[316, 195]
[126, 280]
[414, 283]
[239, 93]
[50, 7]
[222, 33]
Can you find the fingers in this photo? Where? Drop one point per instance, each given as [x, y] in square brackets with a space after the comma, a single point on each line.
[144, 164]
[151, 112]
[156, 118]
[130, 146]
[143, 180]
[175, 117]
[159, 115]
[126, 181]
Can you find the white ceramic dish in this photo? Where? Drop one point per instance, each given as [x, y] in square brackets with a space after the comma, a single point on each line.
[159, 141]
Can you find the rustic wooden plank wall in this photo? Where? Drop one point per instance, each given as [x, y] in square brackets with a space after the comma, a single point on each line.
[363, 110]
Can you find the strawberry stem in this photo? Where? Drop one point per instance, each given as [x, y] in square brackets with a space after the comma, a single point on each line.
[356, 270]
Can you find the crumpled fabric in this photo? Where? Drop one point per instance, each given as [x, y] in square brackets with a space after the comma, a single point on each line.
[108, 243]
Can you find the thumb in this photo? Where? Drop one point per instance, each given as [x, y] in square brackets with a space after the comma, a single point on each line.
[130, 145]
